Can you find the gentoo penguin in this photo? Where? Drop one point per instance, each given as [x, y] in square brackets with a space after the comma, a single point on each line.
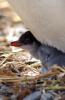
[47, 54]
[45, 19]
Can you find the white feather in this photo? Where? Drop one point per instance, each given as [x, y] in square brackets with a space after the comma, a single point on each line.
[45, 18]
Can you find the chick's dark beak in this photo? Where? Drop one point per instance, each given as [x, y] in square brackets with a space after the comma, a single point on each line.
[16, 44]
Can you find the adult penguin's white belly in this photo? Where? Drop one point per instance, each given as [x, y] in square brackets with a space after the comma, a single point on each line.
[45, 18]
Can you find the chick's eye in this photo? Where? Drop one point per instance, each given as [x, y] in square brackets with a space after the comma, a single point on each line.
[27, 41]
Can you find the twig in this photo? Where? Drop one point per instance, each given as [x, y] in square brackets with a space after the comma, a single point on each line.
[59, 68]
[5, 59]
[55, 88]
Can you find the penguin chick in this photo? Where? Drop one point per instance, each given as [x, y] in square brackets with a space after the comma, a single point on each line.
[47, 54]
